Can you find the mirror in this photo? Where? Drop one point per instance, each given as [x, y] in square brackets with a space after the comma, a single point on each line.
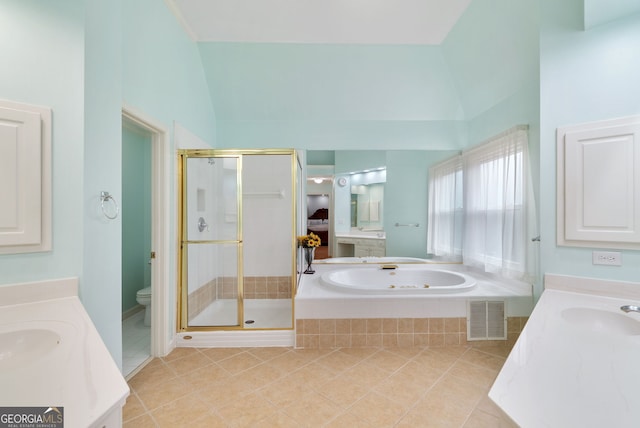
[367, 206]
[402, 199]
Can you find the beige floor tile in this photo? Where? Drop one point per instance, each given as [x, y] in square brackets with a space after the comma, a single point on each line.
[366, 374]
[219, 354]
[387, 360]
[225, 391]
[159, 395]
[293, 360]
[175, 414]
[284, 391]
[239, 362]
[154, 373]
[401, 389]
[142, 421]
[378, 410]
[460, 391]
[407, 352]
[361, 353]
[205, 376]
[268, 353]
[349, 420]
[338, 361]
[479, 358]
[426, 377]
[246, 412]
[278, 420]
[207, 420]
[342, 391]
[313, 375]
[479, 419]
[478, 375]
[132, 408]
[188, 363]
[313, 410]
[284, 387]
[434, 410]
[261, 375]
[178, 353]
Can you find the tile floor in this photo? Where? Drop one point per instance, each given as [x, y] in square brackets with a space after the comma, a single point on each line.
[348, 387]
[136, 342]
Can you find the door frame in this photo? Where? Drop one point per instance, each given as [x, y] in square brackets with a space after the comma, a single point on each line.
[161, 340]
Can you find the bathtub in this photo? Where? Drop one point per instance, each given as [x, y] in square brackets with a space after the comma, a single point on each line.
[399, 280]
[371, 260]
[318, 298]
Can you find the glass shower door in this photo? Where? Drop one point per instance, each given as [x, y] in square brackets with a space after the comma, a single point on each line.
[212, 242]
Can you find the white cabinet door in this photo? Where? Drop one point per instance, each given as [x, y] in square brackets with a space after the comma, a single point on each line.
[599, 184]
[24, 184]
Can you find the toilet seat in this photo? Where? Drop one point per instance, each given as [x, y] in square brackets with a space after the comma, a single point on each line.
[145, 292]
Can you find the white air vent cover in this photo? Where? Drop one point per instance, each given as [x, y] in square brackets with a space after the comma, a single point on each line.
[486, 320]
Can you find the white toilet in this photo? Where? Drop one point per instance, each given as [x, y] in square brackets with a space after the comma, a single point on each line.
[143, 297]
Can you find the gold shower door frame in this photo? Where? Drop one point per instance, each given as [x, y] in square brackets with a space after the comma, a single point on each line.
[183, 241]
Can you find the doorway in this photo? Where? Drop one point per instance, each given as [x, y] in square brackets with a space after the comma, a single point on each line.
[150, 247]
[136, 246]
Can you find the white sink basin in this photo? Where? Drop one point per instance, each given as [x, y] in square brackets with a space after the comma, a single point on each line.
[22, 348]
[599, 321]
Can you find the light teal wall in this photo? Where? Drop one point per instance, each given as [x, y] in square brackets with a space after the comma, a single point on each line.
[136, 214]
[162, 70]
[324, 97]
[42, 47]
[100, 289]
[585, 76]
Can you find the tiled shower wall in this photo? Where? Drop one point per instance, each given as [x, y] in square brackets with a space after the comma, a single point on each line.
[389, 332]
[255, 287]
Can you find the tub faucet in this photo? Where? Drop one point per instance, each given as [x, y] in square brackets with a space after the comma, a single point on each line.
[630, 308]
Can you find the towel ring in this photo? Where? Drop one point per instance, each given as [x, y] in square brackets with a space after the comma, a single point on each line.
[104, 197]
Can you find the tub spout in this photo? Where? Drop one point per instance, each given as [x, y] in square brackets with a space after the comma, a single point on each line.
[389, 267]
[630, 308]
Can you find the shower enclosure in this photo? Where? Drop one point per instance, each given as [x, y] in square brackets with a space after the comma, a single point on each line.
[237, 239]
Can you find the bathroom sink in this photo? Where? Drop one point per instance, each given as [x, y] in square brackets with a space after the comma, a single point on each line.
[21, 348]
[597, 320]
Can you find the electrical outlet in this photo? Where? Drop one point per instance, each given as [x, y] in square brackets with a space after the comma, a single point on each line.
[610, 258]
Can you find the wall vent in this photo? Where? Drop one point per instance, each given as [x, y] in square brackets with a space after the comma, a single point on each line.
[486, 320]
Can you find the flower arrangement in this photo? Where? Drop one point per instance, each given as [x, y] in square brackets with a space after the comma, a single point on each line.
[309, 241]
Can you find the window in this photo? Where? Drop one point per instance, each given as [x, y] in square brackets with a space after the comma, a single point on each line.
[444, 233]
[487, 219]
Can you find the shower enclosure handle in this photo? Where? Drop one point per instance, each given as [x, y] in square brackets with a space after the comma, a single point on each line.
[202, 225]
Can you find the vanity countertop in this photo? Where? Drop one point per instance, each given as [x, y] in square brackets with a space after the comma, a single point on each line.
[53, 356]
[577, 362]
[361, 235]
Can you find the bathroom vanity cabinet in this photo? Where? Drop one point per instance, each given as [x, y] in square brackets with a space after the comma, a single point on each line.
[349, 246]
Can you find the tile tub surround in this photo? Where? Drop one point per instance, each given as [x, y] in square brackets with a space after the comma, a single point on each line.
[285, 387]
[78, 373]
[395, 332]
[568, 370]
[326, 317]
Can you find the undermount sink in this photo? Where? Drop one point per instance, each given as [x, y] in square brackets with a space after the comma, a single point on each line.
[597, 320]
[21, 348]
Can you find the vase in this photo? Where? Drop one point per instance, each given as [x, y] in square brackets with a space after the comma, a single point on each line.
[308, 258]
